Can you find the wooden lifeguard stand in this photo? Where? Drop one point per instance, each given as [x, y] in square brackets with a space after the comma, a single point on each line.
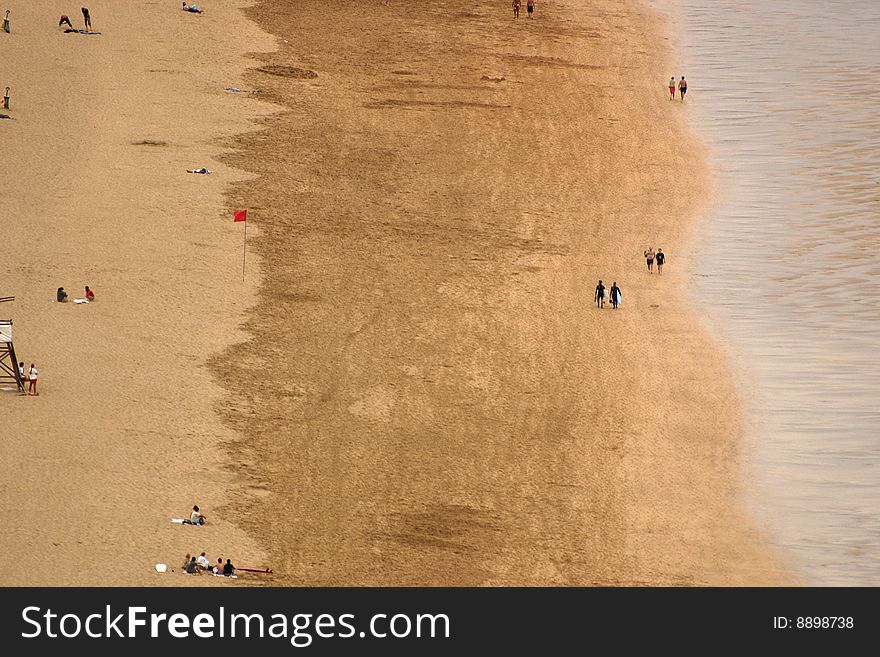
[8, 361]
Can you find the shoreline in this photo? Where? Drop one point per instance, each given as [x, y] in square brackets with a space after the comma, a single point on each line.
[410, 428]
[123, 435]
[795, 219]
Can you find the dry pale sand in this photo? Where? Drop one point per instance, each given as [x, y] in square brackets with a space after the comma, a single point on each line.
[427, 394]
[430, 395]
[95, 192]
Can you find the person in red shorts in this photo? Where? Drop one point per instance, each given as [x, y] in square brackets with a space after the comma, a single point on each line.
[516, 6]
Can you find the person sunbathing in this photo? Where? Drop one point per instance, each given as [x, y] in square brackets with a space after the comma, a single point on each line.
[193, 9]
[202, 170]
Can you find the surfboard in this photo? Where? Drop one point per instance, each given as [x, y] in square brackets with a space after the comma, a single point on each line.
[617, 295]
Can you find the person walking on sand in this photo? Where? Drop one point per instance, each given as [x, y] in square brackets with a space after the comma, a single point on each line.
[672, 88]
[682, 87]
[661, 258]
[32, 381]
[649, 258]
[530, 7]
[516, 6]
[600, 295]
[615, 295]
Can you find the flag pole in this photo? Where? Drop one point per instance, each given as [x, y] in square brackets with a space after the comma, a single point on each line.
[244, 252]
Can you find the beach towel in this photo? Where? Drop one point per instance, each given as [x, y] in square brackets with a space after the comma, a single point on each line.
[69, 31]
[81, 301]
[226, 576]
[177, 521]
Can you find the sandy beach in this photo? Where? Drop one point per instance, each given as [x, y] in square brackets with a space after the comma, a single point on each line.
[413, 384]
[430, 395]
[95, 192]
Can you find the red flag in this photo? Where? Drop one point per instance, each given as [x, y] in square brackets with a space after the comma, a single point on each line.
[240, 215]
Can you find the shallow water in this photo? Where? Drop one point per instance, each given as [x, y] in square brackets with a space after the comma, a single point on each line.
[785, 93]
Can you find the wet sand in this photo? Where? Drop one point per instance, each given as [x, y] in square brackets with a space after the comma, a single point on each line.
[789, 266]
[429, 395]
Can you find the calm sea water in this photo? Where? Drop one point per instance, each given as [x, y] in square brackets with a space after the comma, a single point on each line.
[786, 93]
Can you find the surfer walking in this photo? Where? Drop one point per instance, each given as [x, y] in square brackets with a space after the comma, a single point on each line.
[615, 295]
[600, 295]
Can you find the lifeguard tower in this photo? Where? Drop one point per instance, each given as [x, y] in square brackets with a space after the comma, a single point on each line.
[8, 362]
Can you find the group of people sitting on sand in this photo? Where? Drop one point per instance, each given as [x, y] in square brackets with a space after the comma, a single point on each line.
[61, 295]
[197, 565]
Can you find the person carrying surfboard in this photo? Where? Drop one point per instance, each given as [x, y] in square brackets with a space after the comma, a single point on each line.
[600, 295]
[615, 295]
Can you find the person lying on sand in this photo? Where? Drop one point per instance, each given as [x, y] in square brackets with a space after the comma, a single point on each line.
[193, 9]
[202, 170]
